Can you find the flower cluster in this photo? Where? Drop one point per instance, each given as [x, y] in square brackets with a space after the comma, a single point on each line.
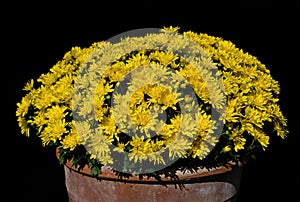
[169, 100]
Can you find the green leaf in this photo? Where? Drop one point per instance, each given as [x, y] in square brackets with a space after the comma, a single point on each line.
[95, 170]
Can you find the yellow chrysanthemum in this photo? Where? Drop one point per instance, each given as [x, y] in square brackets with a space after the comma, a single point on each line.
[238, 139]
[132, 97]
[54, 131]
[71, 141]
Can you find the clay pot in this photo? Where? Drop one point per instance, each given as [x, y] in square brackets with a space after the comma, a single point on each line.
[214, 185]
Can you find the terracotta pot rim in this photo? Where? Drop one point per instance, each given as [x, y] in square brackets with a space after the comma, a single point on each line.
[108, 174]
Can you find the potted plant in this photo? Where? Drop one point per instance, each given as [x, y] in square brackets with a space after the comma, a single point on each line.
[158, 109]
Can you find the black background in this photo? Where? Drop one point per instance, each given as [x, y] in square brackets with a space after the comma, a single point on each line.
[37, 36]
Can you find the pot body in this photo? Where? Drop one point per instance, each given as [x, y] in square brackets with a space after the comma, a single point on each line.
[217, 185]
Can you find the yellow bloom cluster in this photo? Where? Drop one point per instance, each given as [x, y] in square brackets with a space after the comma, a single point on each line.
[131, 103]
[48, 107]
[252, 92]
